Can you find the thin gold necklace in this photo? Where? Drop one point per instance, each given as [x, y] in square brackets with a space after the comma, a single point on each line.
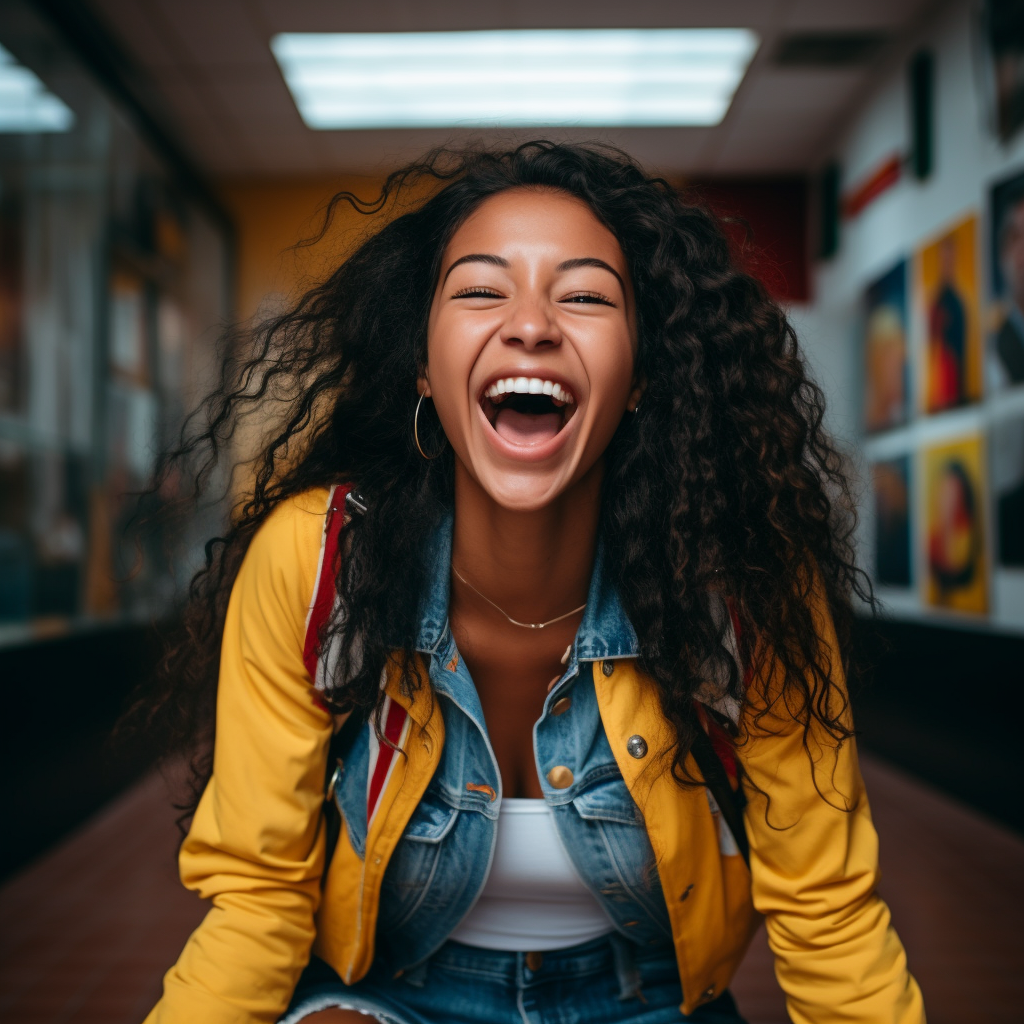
[521, 625]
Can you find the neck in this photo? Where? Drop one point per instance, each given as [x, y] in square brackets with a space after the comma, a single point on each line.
[534, 565]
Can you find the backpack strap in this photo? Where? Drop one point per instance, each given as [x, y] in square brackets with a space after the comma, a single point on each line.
[715, 753]
[321, 604]
[713, 767]
[342, 504]
[321, 607]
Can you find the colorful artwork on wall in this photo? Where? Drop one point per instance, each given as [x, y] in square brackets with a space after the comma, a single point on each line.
[1005, 352]
[948, 298]
[1007, 469]
[954, 528]
[891, 486]
[885, 350]
[1004, 36]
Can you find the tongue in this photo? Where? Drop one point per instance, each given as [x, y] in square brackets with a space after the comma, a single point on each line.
[524, 428]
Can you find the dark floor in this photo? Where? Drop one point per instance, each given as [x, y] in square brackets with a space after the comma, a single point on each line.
[89, 929]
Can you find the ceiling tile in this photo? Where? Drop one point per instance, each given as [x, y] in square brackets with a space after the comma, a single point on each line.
[132, 25]
[241, 91]
[216, 34]
[781, 93]
[807, 15]
[403, 15]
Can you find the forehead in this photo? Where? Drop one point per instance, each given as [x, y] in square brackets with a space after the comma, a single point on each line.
[530, 220]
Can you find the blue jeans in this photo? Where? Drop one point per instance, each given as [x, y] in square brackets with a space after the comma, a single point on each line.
[607, 981]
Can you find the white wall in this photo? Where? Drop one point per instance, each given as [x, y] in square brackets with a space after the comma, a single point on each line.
[968, 159]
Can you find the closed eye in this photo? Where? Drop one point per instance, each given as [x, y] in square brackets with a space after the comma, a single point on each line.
[477, 292]
[589, 297]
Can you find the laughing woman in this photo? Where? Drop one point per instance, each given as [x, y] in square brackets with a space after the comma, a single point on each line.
[548, 573]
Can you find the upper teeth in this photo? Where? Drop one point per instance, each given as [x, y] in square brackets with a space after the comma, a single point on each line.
[529, 386]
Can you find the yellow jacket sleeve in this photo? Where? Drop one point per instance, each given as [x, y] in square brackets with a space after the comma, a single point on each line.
[814, 867]
[255, 848]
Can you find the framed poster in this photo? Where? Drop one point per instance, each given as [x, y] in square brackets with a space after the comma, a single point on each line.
[948, 296]
[1003, 22]
[885, 350]
[1005, 352]
[891, 485]
[1007, 460]
[954, 527]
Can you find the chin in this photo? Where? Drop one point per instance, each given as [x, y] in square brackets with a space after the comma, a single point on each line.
[523, 492]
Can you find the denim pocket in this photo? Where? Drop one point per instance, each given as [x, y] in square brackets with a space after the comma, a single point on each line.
[608, 800]
[413, 865]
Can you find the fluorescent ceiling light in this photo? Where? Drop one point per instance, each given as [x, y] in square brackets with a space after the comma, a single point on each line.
[25, 103]
[584, 77]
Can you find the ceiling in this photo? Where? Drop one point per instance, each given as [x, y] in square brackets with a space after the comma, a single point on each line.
[208, 67]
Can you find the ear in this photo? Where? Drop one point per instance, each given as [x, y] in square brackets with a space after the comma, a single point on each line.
[634, 397]
[423, 383]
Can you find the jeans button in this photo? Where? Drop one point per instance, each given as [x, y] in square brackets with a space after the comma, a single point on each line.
[561, 706]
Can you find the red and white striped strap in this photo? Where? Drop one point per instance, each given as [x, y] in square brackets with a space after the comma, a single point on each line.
[324, 599]
[384, 757]
[322, 606]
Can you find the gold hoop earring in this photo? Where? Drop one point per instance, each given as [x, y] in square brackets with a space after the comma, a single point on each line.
[416, 431]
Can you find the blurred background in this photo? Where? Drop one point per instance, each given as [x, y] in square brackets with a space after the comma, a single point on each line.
[158, 161]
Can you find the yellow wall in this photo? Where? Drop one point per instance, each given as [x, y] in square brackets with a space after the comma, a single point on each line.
[270, 217]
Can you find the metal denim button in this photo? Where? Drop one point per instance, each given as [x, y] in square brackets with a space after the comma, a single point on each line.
[561, 706]
[534, 961]
[560, 777]
[608, 667]
[637, 746]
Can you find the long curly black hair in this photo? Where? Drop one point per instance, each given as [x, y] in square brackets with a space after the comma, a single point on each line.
[723, 483]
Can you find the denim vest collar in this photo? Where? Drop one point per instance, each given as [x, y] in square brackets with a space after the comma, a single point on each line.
[604, 633]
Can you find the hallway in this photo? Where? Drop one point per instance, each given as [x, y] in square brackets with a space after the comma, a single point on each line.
[91, 927]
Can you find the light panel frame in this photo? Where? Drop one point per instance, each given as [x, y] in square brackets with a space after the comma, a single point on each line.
[514, 78]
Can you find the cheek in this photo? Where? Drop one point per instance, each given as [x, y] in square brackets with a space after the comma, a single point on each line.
[612, 372]
[448, 368]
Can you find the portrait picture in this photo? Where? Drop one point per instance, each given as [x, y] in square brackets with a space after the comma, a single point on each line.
[1007, 469]
[954, 532]
[885, 350]
[948, 298]
[890, 482]
[1005, 352]
[1004, 32]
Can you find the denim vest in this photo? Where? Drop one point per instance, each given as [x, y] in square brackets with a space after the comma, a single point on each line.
[442, 861]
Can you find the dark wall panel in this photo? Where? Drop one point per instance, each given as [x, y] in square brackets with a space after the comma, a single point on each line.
[946, 705]
[57, 761]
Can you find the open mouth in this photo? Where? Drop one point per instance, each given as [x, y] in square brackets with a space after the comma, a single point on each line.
[527, 411]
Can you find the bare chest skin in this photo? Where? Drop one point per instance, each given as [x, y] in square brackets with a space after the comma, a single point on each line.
[512, 669]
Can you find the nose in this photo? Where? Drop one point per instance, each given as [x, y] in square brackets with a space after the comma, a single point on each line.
[531, 324]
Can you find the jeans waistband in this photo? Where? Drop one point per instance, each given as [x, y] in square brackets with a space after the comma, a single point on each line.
[611, 952]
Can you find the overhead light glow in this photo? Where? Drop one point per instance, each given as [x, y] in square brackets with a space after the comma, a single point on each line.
[26, 105]
[586, 77]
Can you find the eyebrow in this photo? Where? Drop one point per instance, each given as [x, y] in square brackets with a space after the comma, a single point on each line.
[500, 261]
[478, 257]
[591, 261]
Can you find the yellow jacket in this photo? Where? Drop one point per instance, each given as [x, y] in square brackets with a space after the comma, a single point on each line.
[256, 845]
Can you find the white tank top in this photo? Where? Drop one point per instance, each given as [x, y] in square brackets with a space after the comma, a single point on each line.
[532, 899]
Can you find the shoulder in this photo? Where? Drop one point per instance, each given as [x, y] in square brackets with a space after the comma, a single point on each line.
[295, 525]
[282, 560]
